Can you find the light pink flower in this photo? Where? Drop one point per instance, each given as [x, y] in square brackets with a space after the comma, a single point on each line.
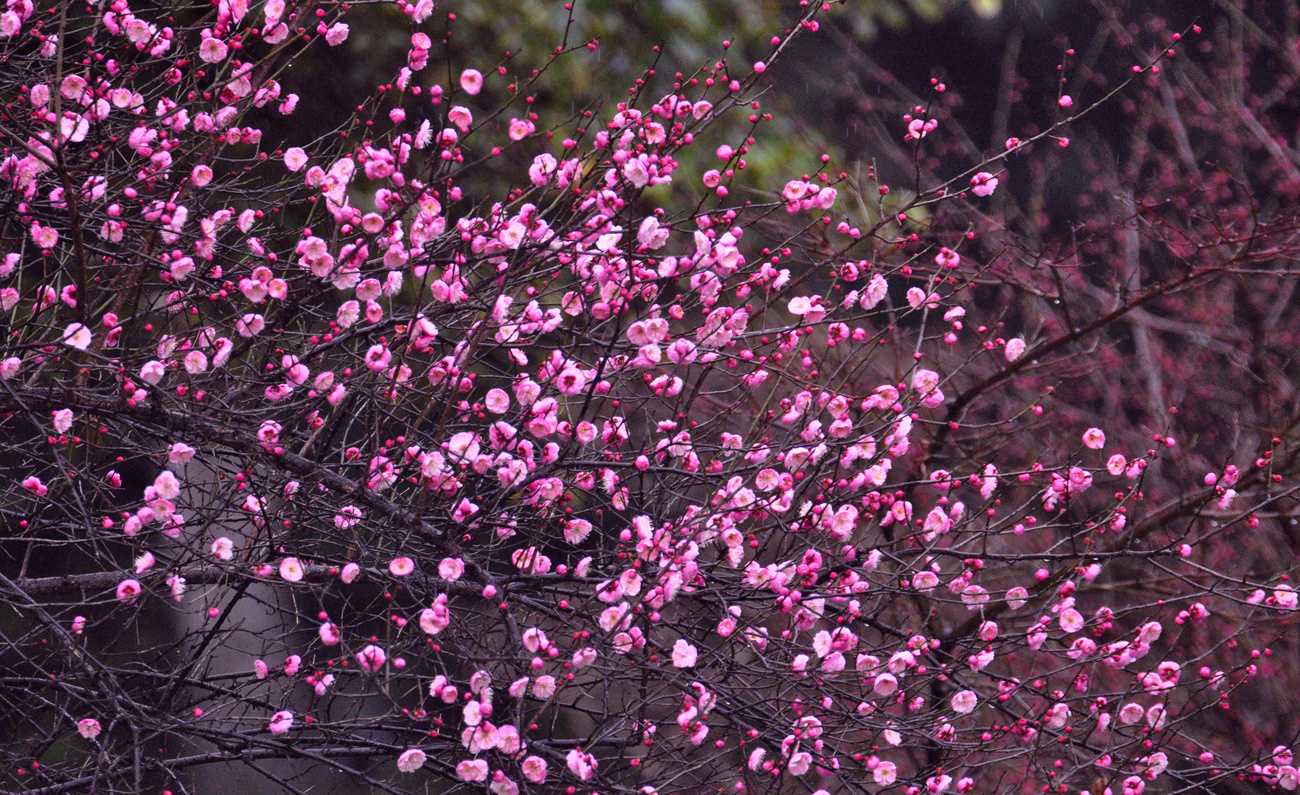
[329, 634]
[963, 703]
[886, 773]
[581, 765]
[1015, 349]
[337, 34]
[89, 728]
[684, 654]
[291, 569]
[77, 336]
[497, 401]
[281, 721]
[471, 80]
[223, 549]
[472, 770]
[400, 567]
[534, 769]
[411, 760]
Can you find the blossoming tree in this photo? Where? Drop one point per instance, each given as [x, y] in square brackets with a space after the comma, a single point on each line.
[329, 462]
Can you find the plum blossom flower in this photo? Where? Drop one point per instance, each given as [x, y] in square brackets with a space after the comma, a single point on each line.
[885, 685]
[451, 569]
[337, 34]
[329, 633]
[581, 765]
[534, 769]
[963, 703]
[281, 721]
[89, 728]
[886, 773]
[411, 760]
[128, 590]
[295, 158]
[371, 658]
[350, 573]
[684, 654]
[44, 236]
[400, 567]
[471, 80]
[77, 336]
[1071, 620]
[223, 549]
[983, 184]
[472, 770]
[291, 569]
[1015, 349]
[179, 453]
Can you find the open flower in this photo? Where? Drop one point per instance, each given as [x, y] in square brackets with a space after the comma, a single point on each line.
[281, 721]
[411, 760]
[291, 569]
[128, 590]
[684, 654]
[471, 80]
[89, 728]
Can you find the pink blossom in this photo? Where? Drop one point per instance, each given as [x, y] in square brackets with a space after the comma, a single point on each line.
[78, 336]
[371, 658]
[451, 568]
[128, 590]
[44, 236]
[461, 116]
[885, 774]
[400, 567]
[581, 765]
[684, 654]
[291, 570]
[329, 633]
[534, 769]
[337, 34]
[1015, 349]
[472, 770]
[411, 760]
[295, 158]
[89, 728]
[471, 81]
[281, 722]
[983, 184]
[350, 573]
